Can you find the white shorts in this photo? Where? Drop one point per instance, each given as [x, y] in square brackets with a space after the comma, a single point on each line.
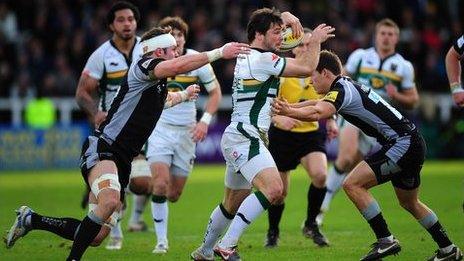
[244, 159]
[366, 144]
[140, 168]
[174, 146]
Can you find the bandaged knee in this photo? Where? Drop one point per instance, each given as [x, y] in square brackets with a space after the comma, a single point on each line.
[111, 221]
[105, 181]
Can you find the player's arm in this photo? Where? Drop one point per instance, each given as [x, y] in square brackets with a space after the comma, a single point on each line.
[189, 62]
[321, 110]
[304, 103]
[214, 98]
[408, 98]
[304, 65]
[189, 94]
[87, 96]
[453, 70]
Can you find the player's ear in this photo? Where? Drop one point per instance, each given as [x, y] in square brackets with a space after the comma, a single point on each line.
[159, 52]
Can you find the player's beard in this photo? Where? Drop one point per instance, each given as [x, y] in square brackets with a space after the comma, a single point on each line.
[270, 46]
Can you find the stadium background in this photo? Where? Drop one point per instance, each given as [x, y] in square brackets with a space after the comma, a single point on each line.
[45, 44]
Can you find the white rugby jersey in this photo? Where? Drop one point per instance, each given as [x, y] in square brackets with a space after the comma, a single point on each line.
[185, 113]
[108, 65]
[366, 67]
[459, 45]
[256, 83]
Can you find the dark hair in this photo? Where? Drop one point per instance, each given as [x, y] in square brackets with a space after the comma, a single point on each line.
[175, 22]
[120, 6]
[261, 20]
[329, 60]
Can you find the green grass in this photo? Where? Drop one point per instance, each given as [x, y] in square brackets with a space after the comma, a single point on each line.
[58, 193]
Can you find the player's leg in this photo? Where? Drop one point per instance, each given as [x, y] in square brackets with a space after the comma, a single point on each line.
[315, 164]
[356, 186]
[237, 188]
[428, 219]
[347, 157]
[269, 191]
[104, 184]
[159, 204]
[275, 213]
[141, 185]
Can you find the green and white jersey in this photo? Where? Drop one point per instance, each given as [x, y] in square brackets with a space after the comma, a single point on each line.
[256, 83]
[366, 67]
[109, 66]
[185, 113]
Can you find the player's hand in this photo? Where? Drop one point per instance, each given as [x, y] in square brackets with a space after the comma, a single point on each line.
[332, 129]
[459, 98]
[192, 92]
[391, 90]
[284, 122]
[200, 131]
[280, 106]
[232, 50]
[99, 118]
[322, 33]
[293, 22]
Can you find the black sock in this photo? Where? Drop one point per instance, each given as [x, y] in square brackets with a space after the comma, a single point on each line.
[63, 227]
[439, 235]
[158, 199]
[274, 215]
[315, 198]
[88, 230]
[379, 226]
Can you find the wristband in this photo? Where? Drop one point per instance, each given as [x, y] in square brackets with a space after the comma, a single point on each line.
[215, 54]
[184, 95]
[206, 118]
[456, 87]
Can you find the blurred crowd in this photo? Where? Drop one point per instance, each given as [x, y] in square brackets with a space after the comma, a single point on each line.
[44, 44]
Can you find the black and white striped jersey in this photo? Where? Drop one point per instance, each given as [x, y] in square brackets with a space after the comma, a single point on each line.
[365, 109]
[459, 45]
[135, 109]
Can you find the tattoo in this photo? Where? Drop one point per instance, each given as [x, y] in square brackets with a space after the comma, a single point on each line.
[87, 100]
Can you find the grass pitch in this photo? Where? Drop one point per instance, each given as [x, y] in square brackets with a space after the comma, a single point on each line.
[58, 193]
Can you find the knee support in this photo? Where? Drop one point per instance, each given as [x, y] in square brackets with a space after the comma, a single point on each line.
[111, 221]
[105, 181]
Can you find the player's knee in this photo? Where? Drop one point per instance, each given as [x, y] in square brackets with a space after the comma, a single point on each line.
[345, 163]
[318, 178]
[349, 186]
[409, 205]
[275, 194]
[141, 185]
[110, 204]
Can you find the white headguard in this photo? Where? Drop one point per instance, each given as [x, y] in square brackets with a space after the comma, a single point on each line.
[160, 41]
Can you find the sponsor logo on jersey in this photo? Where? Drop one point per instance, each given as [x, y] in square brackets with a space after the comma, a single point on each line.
[331, 96]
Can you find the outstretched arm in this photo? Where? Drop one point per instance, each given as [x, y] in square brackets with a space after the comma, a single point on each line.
[189, 62]
[321, 110]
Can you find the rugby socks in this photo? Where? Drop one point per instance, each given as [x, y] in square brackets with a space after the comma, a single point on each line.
[438, 233]
[116, 231]
[159, 211]
[87, 231]
[274, 214]
[315, 198]
[249, 210]
[63, 227]
[139, 205]
[375, 219]
[334, 183]
[218, 222]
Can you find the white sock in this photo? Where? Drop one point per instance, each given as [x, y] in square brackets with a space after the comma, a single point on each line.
[159, 212]
[139, 205]
[218, 222]
[248, 211]
[334, 183]
[116, 231]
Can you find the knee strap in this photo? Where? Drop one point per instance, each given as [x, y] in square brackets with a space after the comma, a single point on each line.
[105, 181]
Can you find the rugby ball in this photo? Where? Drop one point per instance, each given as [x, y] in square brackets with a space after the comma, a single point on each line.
[289, 41]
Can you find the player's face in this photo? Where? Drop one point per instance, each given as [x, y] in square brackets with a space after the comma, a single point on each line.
[170, 53]
[124, 24]
[386, 38]
[273, 37]
[303, 46]
[180, 40]
[320, 82]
